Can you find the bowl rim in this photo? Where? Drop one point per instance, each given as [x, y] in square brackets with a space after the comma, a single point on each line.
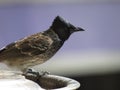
[70, 84]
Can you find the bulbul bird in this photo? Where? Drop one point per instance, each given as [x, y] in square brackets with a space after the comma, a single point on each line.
[39, 47]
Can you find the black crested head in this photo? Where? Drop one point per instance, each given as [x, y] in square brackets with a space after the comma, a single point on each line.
[63, 29]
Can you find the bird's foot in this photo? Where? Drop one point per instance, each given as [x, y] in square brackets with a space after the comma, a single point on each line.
[43, 73]
[30, 71]
[35, 73]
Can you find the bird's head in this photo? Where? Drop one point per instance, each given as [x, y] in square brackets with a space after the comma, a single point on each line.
[63, 29]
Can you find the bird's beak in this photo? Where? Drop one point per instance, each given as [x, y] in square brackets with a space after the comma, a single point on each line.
[78, 29]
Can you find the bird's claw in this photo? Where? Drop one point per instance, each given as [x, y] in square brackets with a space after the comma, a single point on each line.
[43, 73]
[34, 73]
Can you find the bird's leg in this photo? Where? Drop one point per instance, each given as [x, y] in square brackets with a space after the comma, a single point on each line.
[29, 72]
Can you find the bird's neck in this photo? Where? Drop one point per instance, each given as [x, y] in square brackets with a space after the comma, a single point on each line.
[53, 35]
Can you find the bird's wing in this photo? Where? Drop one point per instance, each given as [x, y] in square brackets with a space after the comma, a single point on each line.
[30, 46]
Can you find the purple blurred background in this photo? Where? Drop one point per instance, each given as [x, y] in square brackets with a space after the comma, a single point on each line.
[101, 36]
[101, 22]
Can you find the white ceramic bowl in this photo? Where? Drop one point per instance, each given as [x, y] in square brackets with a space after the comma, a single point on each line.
[15, 81]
